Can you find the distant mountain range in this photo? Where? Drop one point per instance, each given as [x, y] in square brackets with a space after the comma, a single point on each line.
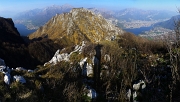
[169, 24]
[142, 15]
[33, 19]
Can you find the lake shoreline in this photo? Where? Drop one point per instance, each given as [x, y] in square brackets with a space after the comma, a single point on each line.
[23, 30]
[138, 31]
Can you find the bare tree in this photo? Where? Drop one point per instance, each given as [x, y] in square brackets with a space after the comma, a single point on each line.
[172, 42]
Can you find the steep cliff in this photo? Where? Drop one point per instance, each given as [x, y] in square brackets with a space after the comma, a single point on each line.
[8, 32]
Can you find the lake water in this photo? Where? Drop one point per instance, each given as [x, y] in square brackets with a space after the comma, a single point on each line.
[138, 31]
[23, 30]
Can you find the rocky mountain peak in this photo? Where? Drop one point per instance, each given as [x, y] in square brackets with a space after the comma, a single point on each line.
[77, 25]
[80, 10]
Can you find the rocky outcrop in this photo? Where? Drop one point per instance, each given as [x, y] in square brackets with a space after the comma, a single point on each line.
[7, 73]
[137, 89]
[19, 78]
[90, 92]
[78, 25]
[86, 65]
[7, 76]
[140, 85]
[58, 57]
[87, 68]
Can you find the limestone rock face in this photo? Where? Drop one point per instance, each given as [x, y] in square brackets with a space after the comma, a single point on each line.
[92, 93]
[7, 78]
[7, 73]
[19, 78]
[78, 25]
[58, 57]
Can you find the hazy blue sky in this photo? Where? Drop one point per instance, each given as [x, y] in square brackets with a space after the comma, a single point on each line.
[14, 6]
